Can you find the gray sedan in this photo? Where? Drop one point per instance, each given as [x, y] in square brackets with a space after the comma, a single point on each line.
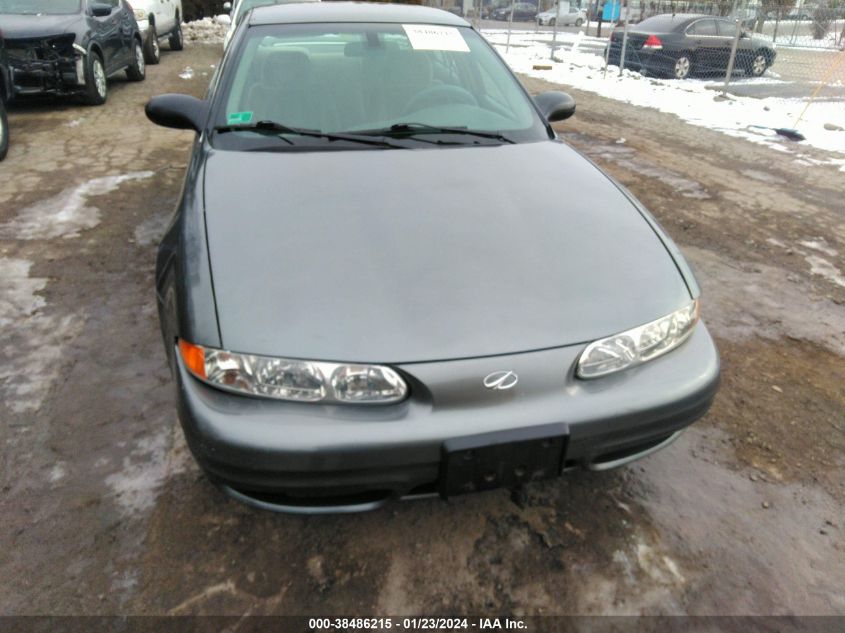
[363, 298]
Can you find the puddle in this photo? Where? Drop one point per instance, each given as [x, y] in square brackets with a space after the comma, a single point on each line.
[625, 157]
[765, 301]
[66, 214]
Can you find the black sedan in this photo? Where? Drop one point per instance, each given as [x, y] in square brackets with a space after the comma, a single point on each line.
[681, 45]
[522, 12]
[362, 297]
[70, 47]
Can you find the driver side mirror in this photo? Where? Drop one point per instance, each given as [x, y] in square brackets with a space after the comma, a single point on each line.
[181, 112]
[100, 10]
[227, 7]
[555, 106]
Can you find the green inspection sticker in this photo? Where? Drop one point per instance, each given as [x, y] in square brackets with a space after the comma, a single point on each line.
[239, 117]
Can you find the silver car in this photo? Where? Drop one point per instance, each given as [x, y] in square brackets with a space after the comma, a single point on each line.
[364, 295]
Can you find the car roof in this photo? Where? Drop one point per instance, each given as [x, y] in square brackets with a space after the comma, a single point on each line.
[674, 21]
[300, 13]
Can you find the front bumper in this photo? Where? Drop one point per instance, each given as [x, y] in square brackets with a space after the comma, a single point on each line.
[308, 457]
[36, 67]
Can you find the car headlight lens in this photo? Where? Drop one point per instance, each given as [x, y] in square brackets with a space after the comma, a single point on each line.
[296, 380]
[140, 14]
[638, 345]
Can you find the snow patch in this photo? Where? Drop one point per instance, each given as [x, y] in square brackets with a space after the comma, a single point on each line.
[66, 214]
[33, 342]
[206, 30]
[187, 73]
[152, 461]
[822, 267]
[151, 230]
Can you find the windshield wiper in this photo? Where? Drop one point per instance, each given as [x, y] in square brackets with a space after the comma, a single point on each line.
[400, 130]
[273, 128]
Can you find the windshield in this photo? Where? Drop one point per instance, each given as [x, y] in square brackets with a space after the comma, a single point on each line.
[363, 78]
[38, 7]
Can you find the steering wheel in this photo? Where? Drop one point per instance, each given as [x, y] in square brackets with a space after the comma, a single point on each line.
[439, 95]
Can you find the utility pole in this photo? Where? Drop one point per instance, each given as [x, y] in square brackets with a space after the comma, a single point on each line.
[624, 37]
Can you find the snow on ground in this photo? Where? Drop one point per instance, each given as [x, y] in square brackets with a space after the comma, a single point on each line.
[694, 101]
[206, 30]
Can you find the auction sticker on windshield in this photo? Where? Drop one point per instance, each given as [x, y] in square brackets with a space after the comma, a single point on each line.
[425, 37]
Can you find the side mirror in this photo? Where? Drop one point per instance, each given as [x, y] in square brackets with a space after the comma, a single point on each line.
[100, 10]
[227, 7]
[181, 112]
[555, 106]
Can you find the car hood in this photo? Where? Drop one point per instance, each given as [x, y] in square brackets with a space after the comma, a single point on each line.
[418, 255]
[33, 26]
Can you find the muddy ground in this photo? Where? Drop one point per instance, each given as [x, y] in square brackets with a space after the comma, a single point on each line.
[104, 511]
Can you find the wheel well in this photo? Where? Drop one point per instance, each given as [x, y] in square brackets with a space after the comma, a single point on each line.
[96, 50]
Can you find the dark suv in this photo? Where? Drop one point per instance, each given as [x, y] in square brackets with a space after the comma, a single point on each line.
[70, 47]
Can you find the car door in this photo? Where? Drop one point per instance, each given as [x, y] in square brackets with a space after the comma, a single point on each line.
[704, 41]
[165, 16]
[727, 30]
[108, 34]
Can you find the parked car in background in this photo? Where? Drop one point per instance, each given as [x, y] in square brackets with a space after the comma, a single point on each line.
[70, 47]
[684, 44]
[366, 329]
[240, 8]
[522, 12]
[158, 19]
[5, 93]
[571, 16]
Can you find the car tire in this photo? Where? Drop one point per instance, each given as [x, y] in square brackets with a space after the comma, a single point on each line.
[4, 131]
[552, 22]
[758, 64]
[682, 67]
[176, 41]
[152, 50]
[579, 22]
[96, 83]
[137, 70]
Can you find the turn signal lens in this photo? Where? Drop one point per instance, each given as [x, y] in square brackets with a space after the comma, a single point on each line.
[296, 380]
[639, 345]
[194, 357]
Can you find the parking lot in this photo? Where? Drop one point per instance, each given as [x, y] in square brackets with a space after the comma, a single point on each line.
[105, 512]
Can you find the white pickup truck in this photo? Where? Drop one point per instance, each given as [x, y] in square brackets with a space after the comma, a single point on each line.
[157, 19]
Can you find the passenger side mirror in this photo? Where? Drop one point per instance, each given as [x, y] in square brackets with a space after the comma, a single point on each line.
[181, 112]
[100, 10]
[555, 106]
[227, 7]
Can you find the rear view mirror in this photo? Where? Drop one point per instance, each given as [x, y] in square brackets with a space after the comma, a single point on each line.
[181, 112]
[555, 106]
[100, 10]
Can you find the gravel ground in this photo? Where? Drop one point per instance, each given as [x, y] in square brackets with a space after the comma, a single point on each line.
[104, 511]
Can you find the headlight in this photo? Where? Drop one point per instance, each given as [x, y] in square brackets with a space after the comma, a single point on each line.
[297, 380]
[140, 14]
[638, 345]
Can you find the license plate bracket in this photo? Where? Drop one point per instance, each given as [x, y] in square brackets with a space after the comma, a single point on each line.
[501, 459]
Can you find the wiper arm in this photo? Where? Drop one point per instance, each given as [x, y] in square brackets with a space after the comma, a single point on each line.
[273, 128]
[400, 130]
